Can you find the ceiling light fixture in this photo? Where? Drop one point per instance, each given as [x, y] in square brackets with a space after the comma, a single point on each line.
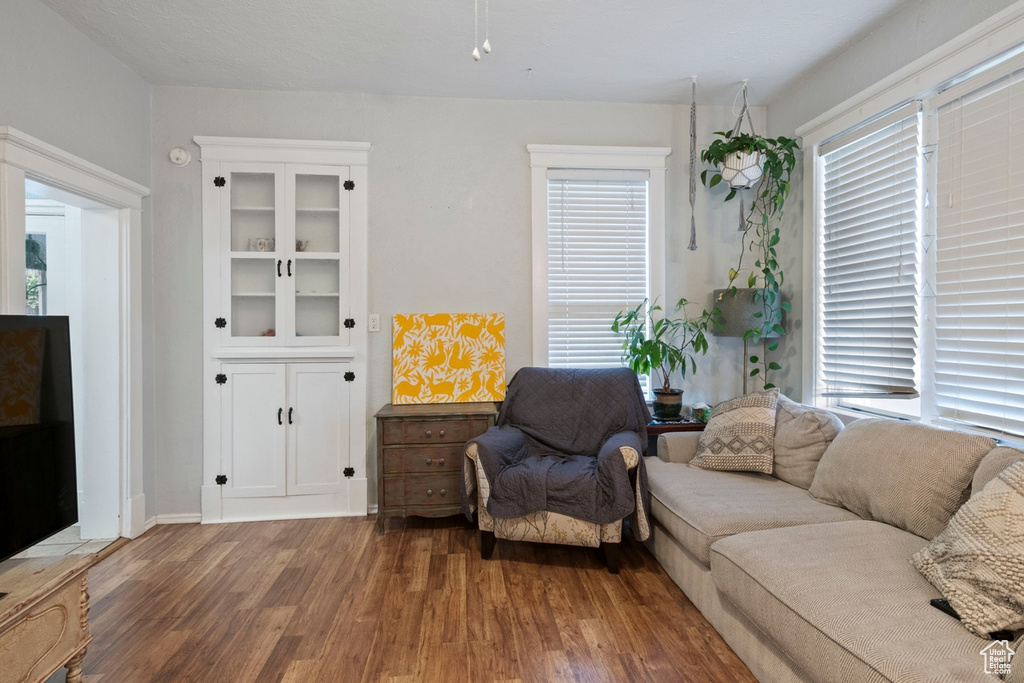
[476, 28]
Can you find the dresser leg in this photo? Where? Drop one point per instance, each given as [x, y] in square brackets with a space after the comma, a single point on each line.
[486, 544]
[74, 666]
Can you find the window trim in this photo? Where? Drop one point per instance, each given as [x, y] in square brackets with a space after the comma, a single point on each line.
[545, 157]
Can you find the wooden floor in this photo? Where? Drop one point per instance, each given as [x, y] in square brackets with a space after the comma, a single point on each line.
[330, 600]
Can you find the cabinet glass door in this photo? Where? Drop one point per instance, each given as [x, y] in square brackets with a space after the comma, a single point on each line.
[321, 210]
[254, 199]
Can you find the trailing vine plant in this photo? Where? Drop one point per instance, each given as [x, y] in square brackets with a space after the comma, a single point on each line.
[761, 235]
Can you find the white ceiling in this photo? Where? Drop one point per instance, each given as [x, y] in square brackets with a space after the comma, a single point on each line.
[584, 50]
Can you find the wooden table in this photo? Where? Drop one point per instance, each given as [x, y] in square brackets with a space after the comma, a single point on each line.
[419, 457]
[44, 618]
[656, 429]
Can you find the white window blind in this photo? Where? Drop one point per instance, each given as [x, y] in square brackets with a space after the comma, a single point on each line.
[979, 321]
[597, 256]
[869, 306]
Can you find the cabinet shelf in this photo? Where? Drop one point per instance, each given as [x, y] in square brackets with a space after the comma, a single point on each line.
[253, 208]
[253, 294]
[254, 254]
[317, 209]
[316, 294]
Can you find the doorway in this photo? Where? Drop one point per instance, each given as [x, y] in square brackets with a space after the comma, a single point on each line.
[71, 247]
[108, 210]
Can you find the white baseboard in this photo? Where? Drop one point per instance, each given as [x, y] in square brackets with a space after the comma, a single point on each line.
[150, 523]
[193, 518]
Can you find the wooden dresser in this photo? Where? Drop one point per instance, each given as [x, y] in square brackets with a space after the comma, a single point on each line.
[419, 457]
[44, 618]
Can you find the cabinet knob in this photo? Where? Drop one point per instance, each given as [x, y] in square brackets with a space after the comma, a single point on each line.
[443, 492]
[441, 462]
[430, 492]
[429, 433]
[441, 433]
[430, 461]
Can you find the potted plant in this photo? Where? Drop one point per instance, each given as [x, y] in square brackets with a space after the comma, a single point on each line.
[656, 343]
[778, 159]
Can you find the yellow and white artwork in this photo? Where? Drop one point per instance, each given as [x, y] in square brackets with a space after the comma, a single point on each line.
[448, 358]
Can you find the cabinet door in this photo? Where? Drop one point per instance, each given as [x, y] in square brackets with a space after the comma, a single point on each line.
[318, 211]
[253, 432]
[253, 240]
[318, 427]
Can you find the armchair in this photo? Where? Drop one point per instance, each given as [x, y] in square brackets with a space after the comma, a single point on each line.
[563, 463]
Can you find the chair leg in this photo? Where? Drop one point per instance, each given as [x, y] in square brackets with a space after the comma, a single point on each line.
[611, 556]
[486, 544]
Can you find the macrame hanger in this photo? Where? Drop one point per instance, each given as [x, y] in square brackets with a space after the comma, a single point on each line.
[693, 164]
[735, 131]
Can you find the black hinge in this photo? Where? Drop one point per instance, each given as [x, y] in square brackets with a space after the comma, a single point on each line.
[221, 378]
[349, 323]
[221, 323]
[219, 181]
[221, 479]
[350, 376]
[350, 471]
[349, 185]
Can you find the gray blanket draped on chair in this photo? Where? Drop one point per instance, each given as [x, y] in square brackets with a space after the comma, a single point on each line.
[556, 444]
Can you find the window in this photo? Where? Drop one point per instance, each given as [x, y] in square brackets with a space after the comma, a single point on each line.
[979, 302]
[919, 255]
[869, 281]
[598, 216]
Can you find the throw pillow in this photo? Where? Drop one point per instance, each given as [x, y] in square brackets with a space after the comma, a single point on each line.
[802, 434]
[905, 474]
[997, 460]
[978, 560]
[740, 435]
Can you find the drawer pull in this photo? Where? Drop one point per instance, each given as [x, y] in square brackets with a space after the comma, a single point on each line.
[441, 462]
[430, 492]
[428, 433]
[441, 433]
[443, 492]
[430, 461]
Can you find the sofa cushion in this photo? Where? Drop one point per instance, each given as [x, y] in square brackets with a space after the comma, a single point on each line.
[740, 435]
[902, 473]
[997, 460]
[845, 604]
[802, 434]
[977, 562]
[699, 507]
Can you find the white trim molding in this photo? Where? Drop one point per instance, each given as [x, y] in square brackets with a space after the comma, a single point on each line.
[544, 157]
[25, 157]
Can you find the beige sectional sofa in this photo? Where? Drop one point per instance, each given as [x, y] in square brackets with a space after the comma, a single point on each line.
[807, 591]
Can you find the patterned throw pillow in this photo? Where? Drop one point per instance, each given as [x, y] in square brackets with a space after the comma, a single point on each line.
[740, 435]
[977, 561]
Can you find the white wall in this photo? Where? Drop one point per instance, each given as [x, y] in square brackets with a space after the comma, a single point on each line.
[913, 31]
[60, 87]
[449, 226]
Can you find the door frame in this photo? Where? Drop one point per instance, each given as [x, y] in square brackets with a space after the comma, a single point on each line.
[23, 156]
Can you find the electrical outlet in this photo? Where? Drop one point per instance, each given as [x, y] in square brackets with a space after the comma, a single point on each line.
[374, 325]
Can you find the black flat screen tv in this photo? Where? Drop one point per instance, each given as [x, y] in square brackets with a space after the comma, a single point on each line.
[38, 489]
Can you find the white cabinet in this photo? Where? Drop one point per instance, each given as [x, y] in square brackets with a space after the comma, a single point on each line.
[281, 429]
[284, 275]
[284, 241]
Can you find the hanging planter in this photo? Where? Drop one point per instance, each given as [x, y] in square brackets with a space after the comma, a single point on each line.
[749, 160]
[741, 170]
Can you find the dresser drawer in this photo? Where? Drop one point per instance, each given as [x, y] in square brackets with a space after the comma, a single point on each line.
[423, 489]
[412, 431]
[425, 459]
